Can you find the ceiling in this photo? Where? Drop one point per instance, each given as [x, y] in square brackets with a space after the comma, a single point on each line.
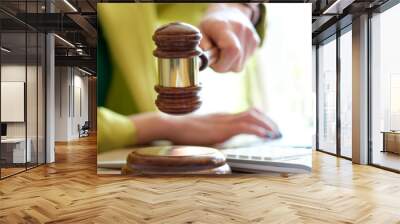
[332, 15]
[72, 20]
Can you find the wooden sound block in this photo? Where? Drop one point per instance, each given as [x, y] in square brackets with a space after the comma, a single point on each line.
[176, 160]
[224, 169]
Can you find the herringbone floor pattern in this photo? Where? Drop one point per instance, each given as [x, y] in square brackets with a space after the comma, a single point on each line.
[69, 191]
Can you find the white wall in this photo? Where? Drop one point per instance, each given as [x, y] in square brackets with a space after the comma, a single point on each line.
[13, 73]
[81, 89]
[71, 94]
[16, 73]
[61, 103]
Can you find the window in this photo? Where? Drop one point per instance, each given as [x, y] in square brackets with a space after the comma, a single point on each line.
[346, 93]
[385, 89]
[327, 96]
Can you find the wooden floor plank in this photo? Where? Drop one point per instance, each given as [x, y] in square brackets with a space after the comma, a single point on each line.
[69, 191]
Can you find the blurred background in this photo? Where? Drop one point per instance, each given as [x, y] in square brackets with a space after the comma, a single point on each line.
[283, 85]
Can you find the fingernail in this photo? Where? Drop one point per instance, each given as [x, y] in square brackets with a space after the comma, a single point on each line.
[269, 134]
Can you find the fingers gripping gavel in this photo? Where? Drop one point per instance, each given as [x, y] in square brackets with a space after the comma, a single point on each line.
[179, 61]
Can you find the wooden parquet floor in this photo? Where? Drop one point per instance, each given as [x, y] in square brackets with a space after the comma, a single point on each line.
[69, 191]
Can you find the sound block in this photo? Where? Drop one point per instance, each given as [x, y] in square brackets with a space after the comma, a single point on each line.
[176, 160]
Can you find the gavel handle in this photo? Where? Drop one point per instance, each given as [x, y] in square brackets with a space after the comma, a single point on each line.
[209, 57]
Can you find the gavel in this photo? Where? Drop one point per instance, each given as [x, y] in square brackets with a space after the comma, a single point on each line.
[179, 60]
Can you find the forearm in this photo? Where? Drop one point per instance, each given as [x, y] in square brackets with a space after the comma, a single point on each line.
[152, 126]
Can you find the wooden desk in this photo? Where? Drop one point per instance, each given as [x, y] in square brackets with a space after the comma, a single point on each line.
[391, 141]
[13, 150]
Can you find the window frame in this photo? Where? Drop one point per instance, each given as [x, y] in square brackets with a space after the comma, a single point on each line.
[340, 31]
[381, 9]
[334, 37]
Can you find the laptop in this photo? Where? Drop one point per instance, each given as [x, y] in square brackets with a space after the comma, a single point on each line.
[247, 153]
[243, 153]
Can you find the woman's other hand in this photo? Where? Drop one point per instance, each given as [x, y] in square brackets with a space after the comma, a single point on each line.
[203, 129]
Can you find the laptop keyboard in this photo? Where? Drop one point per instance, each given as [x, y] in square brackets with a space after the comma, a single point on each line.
[266, 153]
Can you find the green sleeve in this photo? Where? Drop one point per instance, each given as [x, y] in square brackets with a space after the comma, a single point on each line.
[114, 130]
[261, 25]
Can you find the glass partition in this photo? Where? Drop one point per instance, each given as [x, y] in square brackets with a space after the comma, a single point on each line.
[22, 88]
[15, 151]
[327, 96]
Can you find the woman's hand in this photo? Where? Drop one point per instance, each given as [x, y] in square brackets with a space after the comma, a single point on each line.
[202, 130]
[227, 26]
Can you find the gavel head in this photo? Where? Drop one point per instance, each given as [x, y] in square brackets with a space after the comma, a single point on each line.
[179, 61]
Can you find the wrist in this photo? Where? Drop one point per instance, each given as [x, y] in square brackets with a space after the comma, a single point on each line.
[168, 126]
[150, 127]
